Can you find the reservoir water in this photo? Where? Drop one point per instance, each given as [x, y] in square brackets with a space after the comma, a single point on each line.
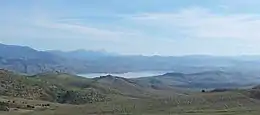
[125, 75]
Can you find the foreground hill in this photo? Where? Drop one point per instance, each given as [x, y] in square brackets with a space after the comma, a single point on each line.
[53, 94]
[42, 87]
[133, 88]
[66, 88]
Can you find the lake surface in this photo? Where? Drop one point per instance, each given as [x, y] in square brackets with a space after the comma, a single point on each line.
[125, 75]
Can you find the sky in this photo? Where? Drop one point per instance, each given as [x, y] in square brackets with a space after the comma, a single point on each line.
[134, 27]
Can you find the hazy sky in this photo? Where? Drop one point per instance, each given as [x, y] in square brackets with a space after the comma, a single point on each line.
[148, 27]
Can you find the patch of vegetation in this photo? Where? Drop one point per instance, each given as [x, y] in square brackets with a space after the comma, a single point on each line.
[4, 106]
[75, 97]
[46, 89]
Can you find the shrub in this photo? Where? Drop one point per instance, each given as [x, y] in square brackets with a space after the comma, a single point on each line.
[4, 106]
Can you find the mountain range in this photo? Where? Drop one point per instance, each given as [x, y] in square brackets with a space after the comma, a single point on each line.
[27, 60]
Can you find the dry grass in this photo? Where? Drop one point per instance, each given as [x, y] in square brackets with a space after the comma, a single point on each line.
[227, 103]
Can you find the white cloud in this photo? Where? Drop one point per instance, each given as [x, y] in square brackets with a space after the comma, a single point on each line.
[201, 23]
[87, 31]
[146, 33]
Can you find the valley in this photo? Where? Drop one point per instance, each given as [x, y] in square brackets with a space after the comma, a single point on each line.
[129, 57]
[96, 83]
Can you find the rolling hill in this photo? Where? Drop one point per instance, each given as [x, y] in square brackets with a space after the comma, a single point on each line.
[206, 79]
[65, 94]
[43, 87]
[67, 88]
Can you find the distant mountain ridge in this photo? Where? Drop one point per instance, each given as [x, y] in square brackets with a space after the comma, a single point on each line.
[82, 54]
[27, 60]
[22, 52]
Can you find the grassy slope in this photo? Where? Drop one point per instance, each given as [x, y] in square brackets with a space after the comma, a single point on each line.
[227, 103]
[127, 97]
[203, 80]
[61, 88]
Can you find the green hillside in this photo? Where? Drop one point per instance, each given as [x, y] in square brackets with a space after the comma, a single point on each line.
[48, 87]
[65, 94]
